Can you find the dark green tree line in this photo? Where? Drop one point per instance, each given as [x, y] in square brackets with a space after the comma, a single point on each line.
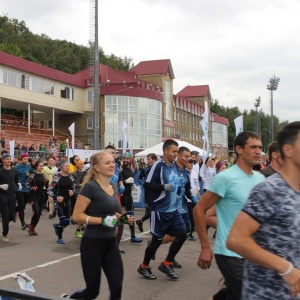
[18, 40]
[249, 122]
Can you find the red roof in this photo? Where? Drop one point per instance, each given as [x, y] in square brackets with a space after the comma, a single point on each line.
[108, 74]
[218, 119]
[195, 91]
[38, 69]
[161, 66]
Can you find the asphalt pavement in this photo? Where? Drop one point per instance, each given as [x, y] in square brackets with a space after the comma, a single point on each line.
[56, 269]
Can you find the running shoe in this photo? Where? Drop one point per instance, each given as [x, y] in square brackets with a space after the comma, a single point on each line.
[168, 271]
[78, 234]
[65, 296]
[53, 214]
[31, 230]
[176, 265]
[5, 238]
[135, 240]
[24, 225]
[60, 241]
[146, 273]
[122, 251]
[139, 223]
[55, 226]
[190, 237]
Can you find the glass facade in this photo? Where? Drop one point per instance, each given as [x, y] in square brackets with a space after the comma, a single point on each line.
[219, 134]
[142, 116]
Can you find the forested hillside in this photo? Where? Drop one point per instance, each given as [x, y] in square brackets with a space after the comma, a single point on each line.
[17, 39]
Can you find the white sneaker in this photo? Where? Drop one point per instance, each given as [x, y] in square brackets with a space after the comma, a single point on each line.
[5, 238]
[65, 296]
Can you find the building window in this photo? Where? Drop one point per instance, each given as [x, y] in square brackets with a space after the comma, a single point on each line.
[41, 124]
[67, 92]
[48, 87]
[167, 94]
[89, 123]
[49, 123]
[90, 98]
[3, 76]
[91, 142]
[37, 85]
[168, 131]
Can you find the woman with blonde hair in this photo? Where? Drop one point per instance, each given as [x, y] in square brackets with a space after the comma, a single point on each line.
[98, 207]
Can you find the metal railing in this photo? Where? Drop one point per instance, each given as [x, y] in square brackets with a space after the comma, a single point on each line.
[11, 294]
[38, 155]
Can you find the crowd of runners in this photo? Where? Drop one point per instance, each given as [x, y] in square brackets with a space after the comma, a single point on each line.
[256, 219]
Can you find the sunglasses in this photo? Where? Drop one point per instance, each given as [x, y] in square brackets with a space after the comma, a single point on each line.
[191, 161]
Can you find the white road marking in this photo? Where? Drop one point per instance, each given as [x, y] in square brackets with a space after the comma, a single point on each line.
[53, 262]
[40, 266]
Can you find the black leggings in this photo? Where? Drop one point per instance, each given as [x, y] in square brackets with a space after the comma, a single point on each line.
[98, 254]
[191, 206]
[7, 211]
[127, 204]
[37, 208]
[22, 198]
[146, 216]
[175, 247]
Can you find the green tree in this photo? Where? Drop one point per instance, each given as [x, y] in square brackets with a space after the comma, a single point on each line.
[17, 39]
[249, 122]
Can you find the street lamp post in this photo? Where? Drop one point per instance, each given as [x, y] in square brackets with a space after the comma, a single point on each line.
[272, 86]
[257, 104]
[96, 145]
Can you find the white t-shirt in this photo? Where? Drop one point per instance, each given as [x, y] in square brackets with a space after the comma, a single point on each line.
[196, 168]
[194, 183]
[208, 174]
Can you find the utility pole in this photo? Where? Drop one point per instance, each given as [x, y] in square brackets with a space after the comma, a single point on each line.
[272, 86]
[257, 104]
[96, 83]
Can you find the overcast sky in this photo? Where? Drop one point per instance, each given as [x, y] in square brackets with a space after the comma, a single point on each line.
[233, 46]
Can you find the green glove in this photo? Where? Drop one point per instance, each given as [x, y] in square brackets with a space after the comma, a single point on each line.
[109, 221]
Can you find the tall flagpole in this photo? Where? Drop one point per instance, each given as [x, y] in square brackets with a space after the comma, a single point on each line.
[96, 83]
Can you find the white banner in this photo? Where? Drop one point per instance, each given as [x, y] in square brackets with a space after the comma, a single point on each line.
[204, 126]
[131, 146]
[12, 149]
[239, 124]
[136, 193]
[72, 131]
[124, 137]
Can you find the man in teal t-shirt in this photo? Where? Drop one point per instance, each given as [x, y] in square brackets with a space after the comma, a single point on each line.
[233, 187]
[229, 190]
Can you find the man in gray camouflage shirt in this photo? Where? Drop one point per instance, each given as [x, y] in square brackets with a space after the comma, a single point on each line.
[267, 230]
